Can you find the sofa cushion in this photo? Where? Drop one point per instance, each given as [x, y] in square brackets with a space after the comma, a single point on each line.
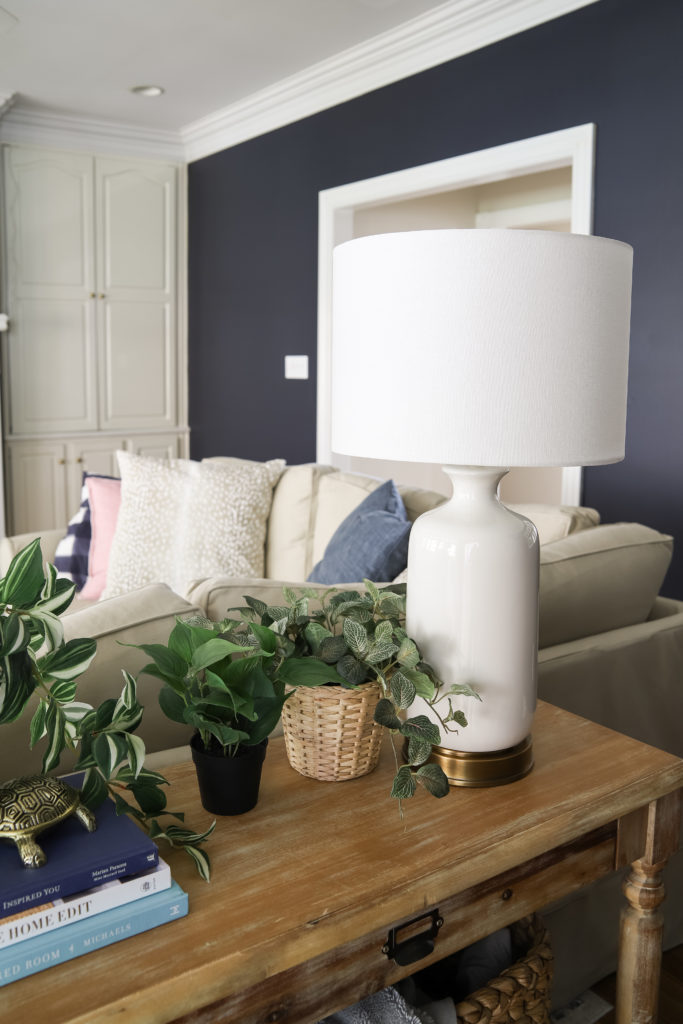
[216, 595]
[104, 498]
[600, 579]
[289, 540]
[180, 520]
[338, 495]
[71, 556]
[554, 522]
[371, 542]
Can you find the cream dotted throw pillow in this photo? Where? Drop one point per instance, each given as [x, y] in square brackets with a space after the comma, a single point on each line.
[181, 520]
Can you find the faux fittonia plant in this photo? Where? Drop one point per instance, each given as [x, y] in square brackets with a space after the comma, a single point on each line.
[347, 637]
[36, 661]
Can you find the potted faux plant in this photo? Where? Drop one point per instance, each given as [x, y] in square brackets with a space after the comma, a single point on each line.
[343, 646]
[218, 684]
[36, 662]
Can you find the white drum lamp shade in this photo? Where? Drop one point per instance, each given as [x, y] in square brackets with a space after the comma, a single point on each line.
[480, 350]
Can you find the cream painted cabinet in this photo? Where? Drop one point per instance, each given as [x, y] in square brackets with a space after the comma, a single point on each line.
[91, 288]
[45, 477]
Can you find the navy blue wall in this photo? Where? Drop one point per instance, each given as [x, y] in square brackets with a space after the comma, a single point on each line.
[253, 230]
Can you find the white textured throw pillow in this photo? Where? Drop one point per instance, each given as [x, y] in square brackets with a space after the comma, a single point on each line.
[180, 520]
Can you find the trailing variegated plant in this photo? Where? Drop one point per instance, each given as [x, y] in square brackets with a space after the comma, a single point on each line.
[36, 661]
[347, 637]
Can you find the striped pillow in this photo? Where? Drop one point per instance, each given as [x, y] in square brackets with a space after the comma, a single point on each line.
[71, 556]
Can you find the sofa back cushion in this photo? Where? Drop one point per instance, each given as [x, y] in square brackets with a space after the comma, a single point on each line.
[289, 541]
[596, 580]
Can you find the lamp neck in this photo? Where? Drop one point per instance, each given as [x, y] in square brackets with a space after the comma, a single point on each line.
[473, 484]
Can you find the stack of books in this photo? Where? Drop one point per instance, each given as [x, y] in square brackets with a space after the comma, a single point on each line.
[96, 889]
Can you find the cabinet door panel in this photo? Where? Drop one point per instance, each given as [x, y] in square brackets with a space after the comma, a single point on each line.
[136, 217]
[139, 363]
[51, 359]
[49, 214]
[37, 487]
[158, 446]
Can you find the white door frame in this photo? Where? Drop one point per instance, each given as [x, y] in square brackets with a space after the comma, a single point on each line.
[571, 147]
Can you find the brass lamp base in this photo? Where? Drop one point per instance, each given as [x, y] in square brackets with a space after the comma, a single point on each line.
[491, 768]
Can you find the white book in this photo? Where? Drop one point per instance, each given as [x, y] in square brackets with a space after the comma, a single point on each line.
[37, 920]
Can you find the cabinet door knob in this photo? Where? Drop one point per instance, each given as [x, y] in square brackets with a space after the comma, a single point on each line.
[102, 295]
[61, 462]
[79, 459]
[93, 295]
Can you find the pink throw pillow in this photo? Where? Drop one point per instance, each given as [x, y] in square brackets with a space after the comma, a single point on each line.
[104, 497]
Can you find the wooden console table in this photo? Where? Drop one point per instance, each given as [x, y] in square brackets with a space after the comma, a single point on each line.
[307, 886]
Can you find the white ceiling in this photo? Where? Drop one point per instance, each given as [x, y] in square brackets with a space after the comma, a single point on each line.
[81, 57]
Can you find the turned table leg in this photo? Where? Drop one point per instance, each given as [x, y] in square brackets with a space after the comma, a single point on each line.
[655, 830]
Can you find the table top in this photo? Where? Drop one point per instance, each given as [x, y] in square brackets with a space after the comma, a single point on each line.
[317, 864]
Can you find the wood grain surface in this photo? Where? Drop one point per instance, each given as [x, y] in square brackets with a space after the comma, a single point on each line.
[317, 867]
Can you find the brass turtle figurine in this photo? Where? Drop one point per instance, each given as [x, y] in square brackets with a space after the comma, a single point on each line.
[30, 804]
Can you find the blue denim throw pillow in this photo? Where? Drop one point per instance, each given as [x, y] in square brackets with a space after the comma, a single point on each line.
[371, 543]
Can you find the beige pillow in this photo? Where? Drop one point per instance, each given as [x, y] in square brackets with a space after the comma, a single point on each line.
[600, 579]
[289, 541]
[554, 522]
[180, 520]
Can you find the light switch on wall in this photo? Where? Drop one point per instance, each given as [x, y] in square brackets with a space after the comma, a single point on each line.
[296, 367]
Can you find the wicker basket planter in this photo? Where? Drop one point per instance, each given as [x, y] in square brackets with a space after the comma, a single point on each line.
[521, 994]
[330, 733]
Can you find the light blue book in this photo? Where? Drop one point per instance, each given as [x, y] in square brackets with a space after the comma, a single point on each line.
[92, 933]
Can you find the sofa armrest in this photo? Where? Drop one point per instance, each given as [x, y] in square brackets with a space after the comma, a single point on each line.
[10, 546]
[219, 593]
[628, 679]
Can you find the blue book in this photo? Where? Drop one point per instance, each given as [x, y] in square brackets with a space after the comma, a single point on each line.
[76, 859]
[91, 933]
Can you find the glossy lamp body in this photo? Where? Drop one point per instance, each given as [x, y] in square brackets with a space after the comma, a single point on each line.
[473, 606]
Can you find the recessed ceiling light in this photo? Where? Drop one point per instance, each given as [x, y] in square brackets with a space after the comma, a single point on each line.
[147, 90]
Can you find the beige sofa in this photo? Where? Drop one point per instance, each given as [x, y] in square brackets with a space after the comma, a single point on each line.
[610, 650]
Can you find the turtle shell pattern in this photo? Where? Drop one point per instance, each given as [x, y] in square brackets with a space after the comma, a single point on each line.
[33, 803]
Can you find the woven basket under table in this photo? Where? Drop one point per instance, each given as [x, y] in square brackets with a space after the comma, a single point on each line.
[521, 994]
[330, 733]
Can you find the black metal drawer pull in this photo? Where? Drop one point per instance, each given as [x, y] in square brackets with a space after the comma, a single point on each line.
[414, 945]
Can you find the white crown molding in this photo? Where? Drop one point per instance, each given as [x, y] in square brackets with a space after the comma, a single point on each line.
[451, 30]
[29, 127]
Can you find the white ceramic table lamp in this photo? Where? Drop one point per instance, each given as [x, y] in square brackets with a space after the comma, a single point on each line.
[480, 350]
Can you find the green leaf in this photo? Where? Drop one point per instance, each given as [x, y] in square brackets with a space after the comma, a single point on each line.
[372, 590]
[384, 631]
[419, 750]
[463, 690]
[56, 733]
[64, 691]
[290, 595]
[136, 753]
[150, 799]
[424, 687]
[201, 860]
[15, 634]
[260, 607]
[180, 641]
[68, 661]
[382, 650]
[385, 714]
[356, 637]
[50, 627]
[402, 690]
[352, 670]
[456, 715]
[408, 654]
[332, 649]
[94, 790]
[266, 637]
[170, 665]
[128, 699]
[404, 784]
[434, 779]
[213, 651]
[172, 705]
[38, 724]
[24, 579]
[421, 727]
[308, 672]
[17, 683]
[316, 635]
[108, 750]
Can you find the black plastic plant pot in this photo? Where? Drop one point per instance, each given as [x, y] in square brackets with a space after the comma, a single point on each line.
[228, 785]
